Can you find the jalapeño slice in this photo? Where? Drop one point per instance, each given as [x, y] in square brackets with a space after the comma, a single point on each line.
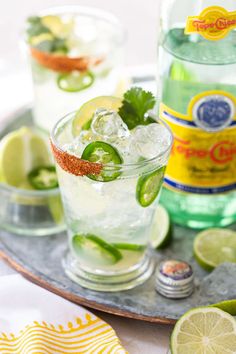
[129, 247]
[43, 178]
[75, 81]
[104, 153]
[100, 251]
[148, 187]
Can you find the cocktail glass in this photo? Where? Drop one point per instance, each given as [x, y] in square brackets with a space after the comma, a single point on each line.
[108, 219]
[75, 53]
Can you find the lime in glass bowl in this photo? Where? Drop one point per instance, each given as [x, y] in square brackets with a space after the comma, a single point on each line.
[111, 157]
[29, 193]
[76, 53]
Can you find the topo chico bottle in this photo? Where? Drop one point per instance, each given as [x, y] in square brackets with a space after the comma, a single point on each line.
[197, 65]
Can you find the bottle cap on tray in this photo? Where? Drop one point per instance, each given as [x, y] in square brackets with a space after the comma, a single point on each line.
[174, 279]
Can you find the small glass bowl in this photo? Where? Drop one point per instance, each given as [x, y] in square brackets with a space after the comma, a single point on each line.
[31, 213]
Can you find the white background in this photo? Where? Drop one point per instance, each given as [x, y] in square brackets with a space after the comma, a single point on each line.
[140, 17]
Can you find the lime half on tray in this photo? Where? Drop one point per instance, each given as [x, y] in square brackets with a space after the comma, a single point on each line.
[161, 230]
[94, 249]
[204, 330]
[20, 151]
[215, 246]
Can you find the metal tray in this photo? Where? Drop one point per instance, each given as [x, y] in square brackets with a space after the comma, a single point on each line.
[39, 259]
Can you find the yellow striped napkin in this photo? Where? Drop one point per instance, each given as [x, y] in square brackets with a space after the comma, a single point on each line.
[35, 321]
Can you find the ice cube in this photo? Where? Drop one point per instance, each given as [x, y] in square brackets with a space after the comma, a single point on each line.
[77, 146]
[109, 126]
[150, 140]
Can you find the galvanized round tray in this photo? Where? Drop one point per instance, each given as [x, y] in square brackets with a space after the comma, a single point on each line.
[39, 259]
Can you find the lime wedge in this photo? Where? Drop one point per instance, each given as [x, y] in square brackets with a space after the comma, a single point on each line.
[161, 231]
[228, 306]
[21, 151]
[204, 331]
[36, 40]
[56, 208]
[215, 246]
[91, 247]
[179, 72]
[87, 111]
[57, 26]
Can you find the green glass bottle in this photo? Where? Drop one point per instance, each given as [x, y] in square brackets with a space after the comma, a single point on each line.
[197, 65]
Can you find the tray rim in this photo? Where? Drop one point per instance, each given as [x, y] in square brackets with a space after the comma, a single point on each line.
[5, 255]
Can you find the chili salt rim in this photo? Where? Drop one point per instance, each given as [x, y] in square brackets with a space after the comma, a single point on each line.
[74, 164]
[63, 63]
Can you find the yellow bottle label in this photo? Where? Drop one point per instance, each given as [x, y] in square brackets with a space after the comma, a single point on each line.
[213, 23]
[203, 158]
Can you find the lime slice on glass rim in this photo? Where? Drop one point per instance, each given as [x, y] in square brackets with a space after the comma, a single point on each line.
[100, 251]
[161, 230]
[104, 153]
[215, 246]
[204, 330]
[75, 81]
[149, 186]
[87, 111]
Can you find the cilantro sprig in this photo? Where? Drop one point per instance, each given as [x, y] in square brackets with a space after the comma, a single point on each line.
[135, 105]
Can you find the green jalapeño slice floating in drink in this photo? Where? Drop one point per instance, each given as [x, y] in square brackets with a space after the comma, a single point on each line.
[111, 156]
[103, 153]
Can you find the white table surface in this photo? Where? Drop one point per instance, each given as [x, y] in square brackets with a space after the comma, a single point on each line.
[138, 337]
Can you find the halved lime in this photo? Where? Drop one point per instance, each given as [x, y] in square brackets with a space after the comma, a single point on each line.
[56, 208]
[215, 246]
[21, 151]
[93, 247]
[228, 306]
[161, 231]
[149, 186]
[75, 81]
[129, 247]
[87, 111]
[104, 153]
[204, 330]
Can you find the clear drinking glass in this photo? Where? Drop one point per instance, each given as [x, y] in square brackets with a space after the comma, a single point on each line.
[76, 53]
[108, 229]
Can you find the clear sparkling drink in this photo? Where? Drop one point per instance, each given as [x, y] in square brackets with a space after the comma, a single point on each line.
[110, 175]
[197, 63]
[75, 54]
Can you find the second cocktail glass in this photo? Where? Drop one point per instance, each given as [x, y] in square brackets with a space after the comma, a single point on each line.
[76, 53]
